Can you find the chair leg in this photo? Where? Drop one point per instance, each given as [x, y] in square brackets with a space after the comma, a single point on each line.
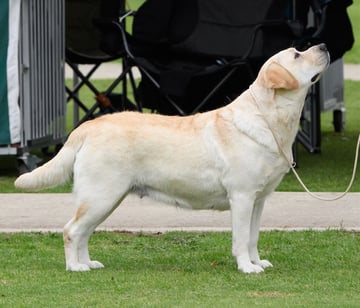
[214, 90]
[103, 102]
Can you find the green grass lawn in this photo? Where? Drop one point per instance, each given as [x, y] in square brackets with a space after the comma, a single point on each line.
[311, 269]
[353, 56]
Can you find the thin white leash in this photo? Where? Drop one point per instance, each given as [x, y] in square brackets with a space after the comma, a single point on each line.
[293, 164]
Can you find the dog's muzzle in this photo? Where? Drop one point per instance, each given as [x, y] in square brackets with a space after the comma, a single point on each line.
[324, 50]
[325, 60]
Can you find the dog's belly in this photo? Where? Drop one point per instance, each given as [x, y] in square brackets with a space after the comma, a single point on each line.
[196, 199]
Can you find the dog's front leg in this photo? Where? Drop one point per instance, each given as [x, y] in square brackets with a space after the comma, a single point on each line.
[254, 234]
[241, 211]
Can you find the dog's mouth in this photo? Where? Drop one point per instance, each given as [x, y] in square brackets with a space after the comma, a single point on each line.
[324, 61]
[315, 78]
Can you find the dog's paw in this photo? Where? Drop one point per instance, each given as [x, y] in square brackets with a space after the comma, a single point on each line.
[95, 264]
[248, 268]
[263, 263]
[78, 267]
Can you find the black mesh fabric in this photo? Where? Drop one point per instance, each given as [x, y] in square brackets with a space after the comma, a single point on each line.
[227, 30]
[212, 27]
[185, 43]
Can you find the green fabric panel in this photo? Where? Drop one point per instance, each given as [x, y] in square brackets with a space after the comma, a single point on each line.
[4, 38]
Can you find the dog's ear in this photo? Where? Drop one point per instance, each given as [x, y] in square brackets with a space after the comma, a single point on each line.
[278, 77]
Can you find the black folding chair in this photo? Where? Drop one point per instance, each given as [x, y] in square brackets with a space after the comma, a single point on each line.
[90, 41]
[197, 55]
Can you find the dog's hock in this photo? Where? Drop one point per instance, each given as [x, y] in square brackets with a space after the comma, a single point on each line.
[278, 77]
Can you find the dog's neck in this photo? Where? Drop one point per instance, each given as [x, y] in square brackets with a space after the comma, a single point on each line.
[281, 113]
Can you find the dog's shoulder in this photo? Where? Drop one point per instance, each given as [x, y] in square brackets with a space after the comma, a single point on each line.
[248, 121]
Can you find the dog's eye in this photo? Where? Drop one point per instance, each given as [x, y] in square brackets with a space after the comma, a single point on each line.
[297, 55]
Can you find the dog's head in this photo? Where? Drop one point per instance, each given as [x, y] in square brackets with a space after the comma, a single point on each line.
[291, 69]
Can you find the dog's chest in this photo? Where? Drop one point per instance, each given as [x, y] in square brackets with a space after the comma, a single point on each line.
[273, 174]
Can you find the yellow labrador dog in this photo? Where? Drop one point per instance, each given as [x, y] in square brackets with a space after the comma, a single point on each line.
[232, 157]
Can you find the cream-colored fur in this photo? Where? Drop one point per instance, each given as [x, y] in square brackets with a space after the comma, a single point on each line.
[226, 158]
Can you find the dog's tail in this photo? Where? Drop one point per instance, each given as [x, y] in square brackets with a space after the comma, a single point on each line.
[55, 172]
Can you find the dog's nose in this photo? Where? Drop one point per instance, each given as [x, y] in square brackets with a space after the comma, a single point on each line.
[323, 47]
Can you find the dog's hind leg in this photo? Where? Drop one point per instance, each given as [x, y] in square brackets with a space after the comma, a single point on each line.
[254, 234]
[93, 209]
[83, 251]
